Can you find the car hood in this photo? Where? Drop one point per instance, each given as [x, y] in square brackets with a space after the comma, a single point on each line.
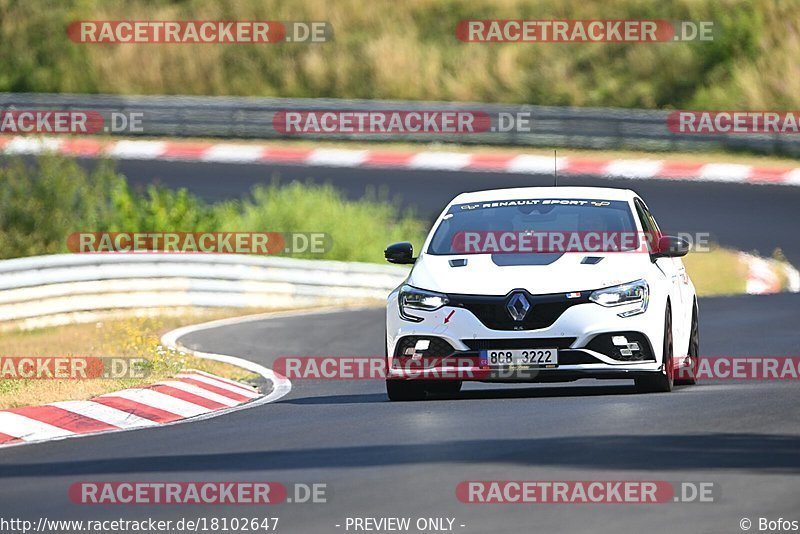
[497, 274]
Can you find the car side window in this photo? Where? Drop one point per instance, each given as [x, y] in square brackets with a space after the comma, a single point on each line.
[652, 219]
[649, 226]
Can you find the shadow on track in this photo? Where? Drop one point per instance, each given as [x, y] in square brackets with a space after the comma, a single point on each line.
[477, 394]
[776, 454]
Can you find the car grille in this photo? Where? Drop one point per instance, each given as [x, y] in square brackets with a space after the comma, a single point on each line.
[440, 349]
[519, 343]
[493, 313]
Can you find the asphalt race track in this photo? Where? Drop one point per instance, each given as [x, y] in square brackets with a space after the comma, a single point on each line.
[405, 459]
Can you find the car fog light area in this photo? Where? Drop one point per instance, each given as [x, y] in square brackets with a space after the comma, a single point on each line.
[623, 346]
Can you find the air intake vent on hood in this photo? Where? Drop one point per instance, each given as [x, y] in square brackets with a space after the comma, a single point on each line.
[591, 260]
[460, 262]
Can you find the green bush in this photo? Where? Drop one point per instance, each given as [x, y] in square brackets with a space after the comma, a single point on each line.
[161, 209]
[43, 202]
[359, 230]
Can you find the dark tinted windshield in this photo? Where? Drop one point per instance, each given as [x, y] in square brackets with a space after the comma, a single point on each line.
[532, 215]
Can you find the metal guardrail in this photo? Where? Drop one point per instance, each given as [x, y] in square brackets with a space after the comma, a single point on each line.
[252, 118]
[48, 286]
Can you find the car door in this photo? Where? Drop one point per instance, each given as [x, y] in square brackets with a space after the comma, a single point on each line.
[675, 274]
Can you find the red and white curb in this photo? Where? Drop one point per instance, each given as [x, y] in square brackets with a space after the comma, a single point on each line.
[425, 160]
[190, 396]
[764, 275]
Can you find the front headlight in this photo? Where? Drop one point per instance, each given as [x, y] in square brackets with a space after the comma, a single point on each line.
[411, 298]
[631, 293]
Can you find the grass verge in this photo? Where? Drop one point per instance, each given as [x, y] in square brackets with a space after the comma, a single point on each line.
[718, 272]
[133, 338]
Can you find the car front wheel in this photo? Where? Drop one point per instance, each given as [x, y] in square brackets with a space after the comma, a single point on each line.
[661, 381]
[688, 375]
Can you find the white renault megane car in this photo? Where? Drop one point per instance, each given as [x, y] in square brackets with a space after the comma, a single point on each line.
[541, 284]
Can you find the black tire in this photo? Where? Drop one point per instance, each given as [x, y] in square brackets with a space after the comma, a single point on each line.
[405, 390]
[661, 381]
[688, 375]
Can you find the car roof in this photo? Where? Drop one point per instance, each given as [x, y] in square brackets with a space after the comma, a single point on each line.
[592, 193]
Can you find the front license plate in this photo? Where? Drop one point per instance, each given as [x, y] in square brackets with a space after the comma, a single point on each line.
[520, 358]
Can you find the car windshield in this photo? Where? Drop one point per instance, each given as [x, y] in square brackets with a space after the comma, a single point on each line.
[551, 217]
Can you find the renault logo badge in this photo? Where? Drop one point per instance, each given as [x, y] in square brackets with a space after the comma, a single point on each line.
[518, 306]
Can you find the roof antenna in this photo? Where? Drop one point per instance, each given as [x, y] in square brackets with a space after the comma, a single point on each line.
[555, 167]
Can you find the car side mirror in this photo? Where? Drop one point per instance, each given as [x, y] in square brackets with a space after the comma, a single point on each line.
[402, 253]
[671, 247]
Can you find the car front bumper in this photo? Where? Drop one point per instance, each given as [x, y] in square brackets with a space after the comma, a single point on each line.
[581, 334]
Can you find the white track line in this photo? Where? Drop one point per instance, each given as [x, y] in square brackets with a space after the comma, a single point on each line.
[446, 161]
[106, 414]
[332, 157]
[792, 177]
[219, 384]
[633, 168]
[161, 401]
[23, 427]
[200, 392]
[138, 149]
[231, 153]
[196, 372]
[724, 172]
[24, 145]
[536, 164]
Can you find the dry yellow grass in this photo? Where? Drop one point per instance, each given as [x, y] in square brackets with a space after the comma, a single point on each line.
[136, 337]
[131, 338]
